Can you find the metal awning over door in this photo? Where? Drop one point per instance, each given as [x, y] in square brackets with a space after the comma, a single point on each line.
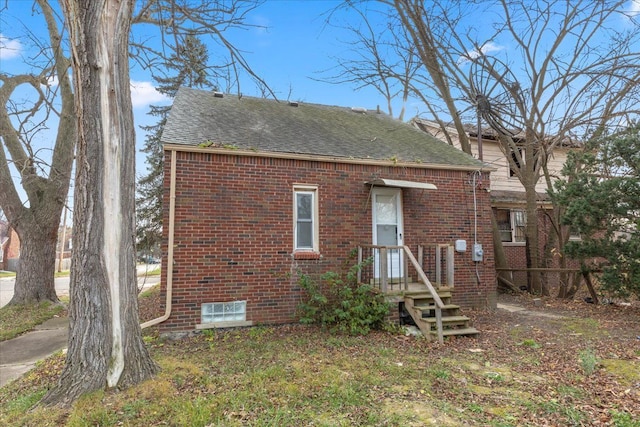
[386, 182]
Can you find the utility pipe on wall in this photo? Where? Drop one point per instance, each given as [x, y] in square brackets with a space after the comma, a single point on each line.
[172, 209]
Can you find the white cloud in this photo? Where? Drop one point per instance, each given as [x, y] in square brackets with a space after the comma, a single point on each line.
[634, 8]
[9, 49]
[52, 81]
[143, 94]
[485, 49]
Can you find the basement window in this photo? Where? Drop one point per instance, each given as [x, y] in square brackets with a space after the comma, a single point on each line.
[217, 312]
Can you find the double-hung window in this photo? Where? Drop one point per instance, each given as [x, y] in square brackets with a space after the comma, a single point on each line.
[511, 223]
[305, 213]
[514, 157]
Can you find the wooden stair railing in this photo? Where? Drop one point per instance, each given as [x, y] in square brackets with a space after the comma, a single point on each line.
[438, 304]
[430, 308]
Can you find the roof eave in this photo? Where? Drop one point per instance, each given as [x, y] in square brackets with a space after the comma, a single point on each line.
[313, 157]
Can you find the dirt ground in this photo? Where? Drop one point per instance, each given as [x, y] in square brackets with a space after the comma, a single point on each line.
[536, 362]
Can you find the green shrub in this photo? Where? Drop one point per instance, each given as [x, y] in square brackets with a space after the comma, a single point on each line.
[341, 304]
[588, 361]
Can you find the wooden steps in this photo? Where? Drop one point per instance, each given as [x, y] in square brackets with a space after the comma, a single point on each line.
[421, 306]
[470, 331]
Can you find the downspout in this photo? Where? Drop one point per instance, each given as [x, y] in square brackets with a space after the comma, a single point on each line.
[172, 210]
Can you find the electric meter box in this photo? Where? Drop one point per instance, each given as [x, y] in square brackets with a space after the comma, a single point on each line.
[477, 254]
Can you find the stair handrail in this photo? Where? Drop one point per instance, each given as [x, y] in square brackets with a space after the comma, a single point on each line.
[434, 294]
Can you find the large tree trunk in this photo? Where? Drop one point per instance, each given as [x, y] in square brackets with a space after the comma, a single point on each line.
[105, 339]
[534, 282]
[37, 221]
[35, 276]
[37, 228]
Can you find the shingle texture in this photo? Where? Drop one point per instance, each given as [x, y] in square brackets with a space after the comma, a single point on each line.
[199, 117]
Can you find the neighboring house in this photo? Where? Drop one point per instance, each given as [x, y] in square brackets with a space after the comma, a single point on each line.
[507, 193]
[63, 248]
[257, 192]
[9, 247]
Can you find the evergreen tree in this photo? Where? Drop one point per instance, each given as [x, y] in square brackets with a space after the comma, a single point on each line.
[601, 198]
[189, 62]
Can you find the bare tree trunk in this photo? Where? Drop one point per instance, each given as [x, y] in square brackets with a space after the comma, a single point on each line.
[37, 248]
[105, 339]
[534, 284]
[37, 223]
[37, 228]
[500, 258]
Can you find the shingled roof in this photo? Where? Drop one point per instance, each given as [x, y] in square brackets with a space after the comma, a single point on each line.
[202, 118]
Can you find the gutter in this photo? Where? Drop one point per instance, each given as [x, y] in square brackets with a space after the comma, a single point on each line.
[172, 210]
[324, 158]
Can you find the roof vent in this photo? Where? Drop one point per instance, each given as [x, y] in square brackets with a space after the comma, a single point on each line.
[361, 110]
[218, 94]
[293, 103]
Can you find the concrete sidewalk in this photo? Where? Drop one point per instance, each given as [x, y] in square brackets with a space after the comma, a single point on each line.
[19, 355]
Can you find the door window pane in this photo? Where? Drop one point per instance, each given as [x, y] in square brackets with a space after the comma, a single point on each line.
[386, 212]
[387, 235]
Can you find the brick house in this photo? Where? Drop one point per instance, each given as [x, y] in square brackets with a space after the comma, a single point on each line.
[9, 247]
[258, 191]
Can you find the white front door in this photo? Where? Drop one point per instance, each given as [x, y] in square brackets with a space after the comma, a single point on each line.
[387, 228]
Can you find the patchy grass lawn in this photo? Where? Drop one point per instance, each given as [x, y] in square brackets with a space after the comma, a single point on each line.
[578, 370]
[7, 274]
[18, 319]
[155, 272]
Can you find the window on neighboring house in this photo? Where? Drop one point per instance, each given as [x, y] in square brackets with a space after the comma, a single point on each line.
[305, 221]
[514, 157]
[511, 223]
[512, 171]
[574, 235]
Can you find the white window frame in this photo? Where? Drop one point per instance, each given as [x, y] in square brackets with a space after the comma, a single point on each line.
[311, 190]
[513, 219]
[575, 236]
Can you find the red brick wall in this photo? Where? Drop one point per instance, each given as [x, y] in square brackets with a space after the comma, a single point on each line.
[517, 257]
[11, 251]
[234, 230]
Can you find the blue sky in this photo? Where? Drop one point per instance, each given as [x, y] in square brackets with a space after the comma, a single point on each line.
[292, 47]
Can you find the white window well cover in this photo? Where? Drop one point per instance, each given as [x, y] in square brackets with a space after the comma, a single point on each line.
[224, 311]
[386, 182]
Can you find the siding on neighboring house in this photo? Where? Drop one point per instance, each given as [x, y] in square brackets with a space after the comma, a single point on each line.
[501, 180]
[507, 193]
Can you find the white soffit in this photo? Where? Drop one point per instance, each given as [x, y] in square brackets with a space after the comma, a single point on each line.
[385, 182]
